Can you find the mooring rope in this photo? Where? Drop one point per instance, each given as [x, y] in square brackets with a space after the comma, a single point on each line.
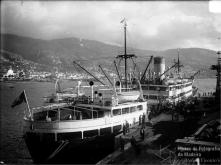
[60, 147]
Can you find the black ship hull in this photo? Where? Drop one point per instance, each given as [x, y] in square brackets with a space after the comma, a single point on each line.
[45, 149]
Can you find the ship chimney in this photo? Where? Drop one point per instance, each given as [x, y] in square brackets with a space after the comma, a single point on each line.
[159, 66]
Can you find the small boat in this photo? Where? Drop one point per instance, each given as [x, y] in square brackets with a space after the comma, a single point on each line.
[128, 96]
[132, 94]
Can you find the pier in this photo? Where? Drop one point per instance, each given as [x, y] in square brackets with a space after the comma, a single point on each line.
[144, 151]
[158, 144]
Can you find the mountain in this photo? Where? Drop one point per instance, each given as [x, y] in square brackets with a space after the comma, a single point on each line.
[61, 52]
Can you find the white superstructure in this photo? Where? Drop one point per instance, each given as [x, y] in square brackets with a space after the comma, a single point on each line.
[86, 117]
[173, 92]
[161, 87]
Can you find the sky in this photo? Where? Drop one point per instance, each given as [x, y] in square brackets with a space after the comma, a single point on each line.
[151, 25]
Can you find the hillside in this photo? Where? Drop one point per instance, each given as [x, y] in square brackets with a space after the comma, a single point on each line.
[61, 52]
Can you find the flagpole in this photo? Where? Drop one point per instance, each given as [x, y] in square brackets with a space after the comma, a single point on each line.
[28, 105]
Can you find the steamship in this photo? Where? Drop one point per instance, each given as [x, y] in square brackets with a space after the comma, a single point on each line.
[157, 86]
[83, 129]
[66, 132]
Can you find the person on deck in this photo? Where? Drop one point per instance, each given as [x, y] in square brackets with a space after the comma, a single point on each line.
[124, 129]
[48, 119]
[122, 142]
[142, 133]
[69, 117]
[143, 120]
[140, 120]
[127, 127]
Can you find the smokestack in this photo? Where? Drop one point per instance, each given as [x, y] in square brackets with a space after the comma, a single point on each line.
[159, 66]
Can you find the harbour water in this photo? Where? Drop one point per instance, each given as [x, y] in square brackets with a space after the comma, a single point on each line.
[12, 146]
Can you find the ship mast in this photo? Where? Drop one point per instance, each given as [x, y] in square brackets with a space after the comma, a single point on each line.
[178, 61]
[125, 56]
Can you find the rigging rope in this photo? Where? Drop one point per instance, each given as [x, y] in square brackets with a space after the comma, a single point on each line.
[57, 150]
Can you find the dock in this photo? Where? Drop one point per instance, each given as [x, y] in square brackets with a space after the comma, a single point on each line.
[129, 154]
[156, 148]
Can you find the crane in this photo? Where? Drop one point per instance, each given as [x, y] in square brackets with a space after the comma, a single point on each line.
[168, 69]
[143, 76]
[117, 71]
[105, 75]
[192, 77]
[88, 72]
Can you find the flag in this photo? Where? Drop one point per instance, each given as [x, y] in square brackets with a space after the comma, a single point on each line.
[20, 99]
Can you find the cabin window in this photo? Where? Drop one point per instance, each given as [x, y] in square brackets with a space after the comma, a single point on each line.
[105, 131]
[85, 114]
[99, 111]
[163, 88]
[153, 97]
[145, 87]
[100, 114]
[125, 110]
[53, 115]
[132, 109]
[95, 114]
[117, 128]
[116, 112]
[150, 96]
[145, 96]
[41, 116]
[140, 107]
[152, 88]
[66, 114]
[91, 133]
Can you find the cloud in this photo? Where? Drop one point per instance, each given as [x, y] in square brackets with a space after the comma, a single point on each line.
[151, 25]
